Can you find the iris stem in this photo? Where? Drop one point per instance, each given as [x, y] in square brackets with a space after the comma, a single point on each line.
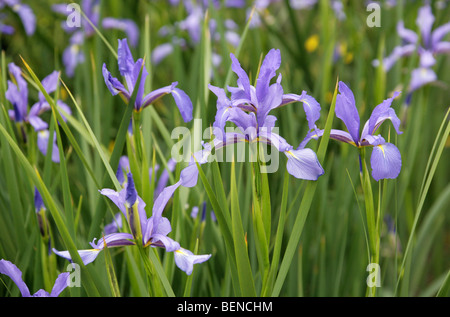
[372, 224]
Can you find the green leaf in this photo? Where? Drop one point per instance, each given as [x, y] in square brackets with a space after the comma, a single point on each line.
[246, 281]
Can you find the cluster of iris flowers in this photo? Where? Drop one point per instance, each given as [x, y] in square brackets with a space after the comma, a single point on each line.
[248, 107]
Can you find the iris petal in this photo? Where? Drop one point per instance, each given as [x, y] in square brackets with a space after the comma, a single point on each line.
[185, 260]
[385, 161]
[304, 164]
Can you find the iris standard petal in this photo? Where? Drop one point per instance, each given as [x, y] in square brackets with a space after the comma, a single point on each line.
[125, 60]
[243, 81]
[310, 106]
[304, 164]
[425, 20]
[346, 110]
[185, 260]
[118, 198]
[15, 274]
[159, 205]
[385, 161]
[273, 97]
[269, 67]
[380, 113]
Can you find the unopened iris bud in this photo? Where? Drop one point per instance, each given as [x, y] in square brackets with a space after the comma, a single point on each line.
[40, 213]
[131, 204]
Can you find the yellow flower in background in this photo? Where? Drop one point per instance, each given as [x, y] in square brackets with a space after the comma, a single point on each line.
[312, 43]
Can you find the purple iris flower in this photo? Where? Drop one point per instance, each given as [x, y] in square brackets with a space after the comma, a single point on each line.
[431, 44]
[130, 70]
[73, 54]
[386, 159]
[151, 231]
[123, 170]
[193, 24]
[249, 109]
[15, 274]
[17, 94]
[25, 14]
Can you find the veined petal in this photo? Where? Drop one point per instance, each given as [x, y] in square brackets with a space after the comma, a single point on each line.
[185, 260]
[386, 161]
[304, 164]
[347, 112]
[15, 274]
